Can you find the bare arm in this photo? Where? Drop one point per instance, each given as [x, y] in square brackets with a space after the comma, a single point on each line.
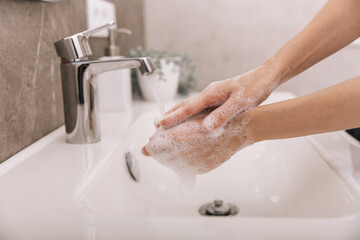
[334, 108]
[335, 26]
[198, 152]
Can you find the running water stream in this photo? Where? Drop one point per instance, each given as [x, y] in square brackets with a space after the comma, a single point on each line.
[155, 88]
[186, 178]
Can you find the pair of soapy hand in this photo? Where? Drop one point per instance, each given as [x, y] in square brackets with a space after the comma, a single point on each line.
[204, 131]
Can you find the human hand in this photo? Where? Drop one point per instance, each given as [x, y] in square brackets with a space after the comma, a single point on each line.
[231, 97]
[187, 148]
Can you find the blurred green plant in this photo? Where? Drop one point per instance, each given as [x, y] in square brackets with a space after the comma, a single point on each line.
[188, 77]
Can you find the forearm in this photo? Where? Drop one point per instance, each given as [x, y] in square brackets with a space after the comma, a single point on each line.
[331, 109]
[336, 25]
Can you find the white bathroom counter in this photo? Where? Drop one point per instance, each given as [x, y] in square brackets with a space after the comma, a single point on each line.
[41, 187]
[37, 184]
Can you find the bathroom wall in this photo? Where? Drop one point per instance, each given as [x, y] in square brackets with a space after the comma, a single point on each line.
[30, 88]
[229, 37]
[129, 14]
[30, 92]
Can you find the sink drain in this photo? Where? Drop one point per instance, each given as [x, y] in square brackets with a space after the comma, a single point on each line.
[132, 166]
[218, 208]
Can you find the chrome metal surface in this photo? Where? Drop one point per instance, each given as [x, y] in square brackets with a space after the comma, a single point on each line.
[132, 166]
[76, 47]
[79, 84]
[218, 208]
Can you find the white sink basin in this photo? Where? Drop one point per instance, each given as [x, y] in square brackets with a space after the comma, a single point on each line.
[283, 189]
[281, 186]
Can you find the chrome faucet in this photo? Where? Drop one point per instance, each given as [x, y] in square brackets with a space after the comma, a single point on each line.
[79, 83]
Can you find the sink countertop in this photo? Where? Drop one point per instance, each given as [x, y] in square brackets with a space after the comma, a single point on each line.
[37, 184]
[50, 169]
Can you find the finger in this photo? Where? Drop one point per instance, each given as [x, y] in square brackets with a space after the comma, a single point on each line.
[145, 152]
[175, 108]
[223, 113]
[196, 105]
[157, 121]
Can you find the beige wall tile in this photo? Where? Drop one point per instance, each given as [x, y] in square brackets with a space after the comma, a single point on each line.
[229, 37]
[30, 94]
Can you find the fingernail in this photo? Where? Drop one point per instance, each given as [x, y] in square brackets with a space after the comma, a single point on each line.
[157, 121]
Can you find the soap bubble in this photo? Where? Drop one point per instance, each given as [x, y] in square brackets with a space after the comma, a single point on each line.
[189, 151]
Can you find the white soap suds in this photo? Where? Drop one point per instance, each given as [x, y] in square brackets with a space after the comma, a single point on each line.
[188, 150]
[187, 179]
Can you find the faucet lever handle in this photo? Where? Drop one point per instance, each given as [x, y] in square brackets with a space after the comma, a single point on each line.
[76, 47]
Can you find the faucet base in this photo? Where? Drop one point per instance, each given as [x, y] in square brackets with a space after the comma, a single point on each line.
[80, 94]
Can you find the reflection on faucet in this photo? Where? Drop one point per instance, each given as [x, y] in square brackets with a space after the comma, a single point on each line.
[79, 83]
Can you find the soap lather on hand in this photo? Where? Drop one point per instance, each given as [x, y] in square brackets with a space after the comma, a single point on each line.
[187, 149]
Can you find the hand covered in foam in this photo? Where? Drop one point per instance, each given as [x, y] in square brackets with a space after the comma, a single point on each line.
[231, 96]
[188, 150]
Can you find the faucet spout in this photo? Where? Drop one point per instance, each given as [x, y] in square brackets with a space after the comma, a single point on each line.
[144, 65]
[79, 83]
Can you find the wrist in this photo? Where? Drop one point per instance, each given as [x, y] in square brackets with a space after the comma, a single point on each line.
[245, 127]
[276, 70]
[256, 124]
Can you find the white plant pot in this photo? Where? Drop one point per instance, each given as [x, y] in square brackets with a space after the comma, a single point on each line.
[165, 86]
